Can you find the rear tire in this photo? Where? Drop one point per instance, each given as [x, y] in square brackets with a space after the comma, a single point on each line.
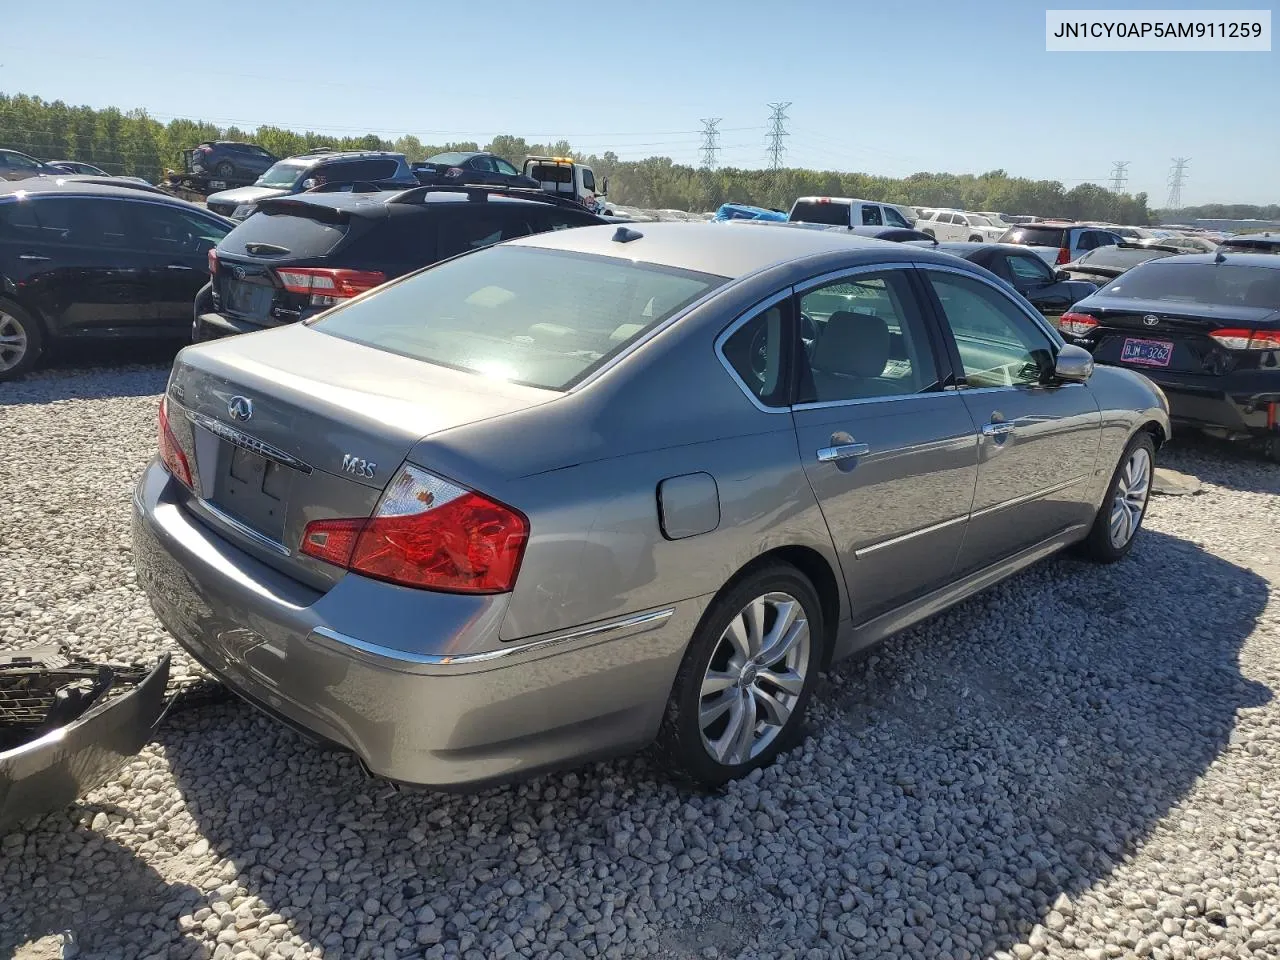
[747, 676]
[225, 170]
[1125, 504]
[22, 341]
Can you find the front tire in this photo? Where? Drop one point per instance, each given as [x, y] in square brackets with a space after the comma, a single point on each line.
[741, 692]
[21, 341]
[1125, 504]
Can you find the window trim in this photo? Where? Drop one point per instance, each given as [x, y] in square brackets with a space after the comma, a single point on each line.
[788, 345]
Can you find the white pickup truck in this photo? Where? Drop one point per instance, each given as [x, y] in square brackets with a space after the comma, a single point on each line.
[846, 212]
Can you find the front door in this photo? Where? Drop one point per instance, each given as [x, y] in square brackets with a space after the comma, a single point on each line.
[175, 244]
[890, 455]
[1037, 443]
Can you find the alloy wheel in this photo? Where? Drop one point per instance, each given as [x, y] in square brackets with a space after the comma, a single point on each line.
[754, 679]
[13, 341]
[1130, 499]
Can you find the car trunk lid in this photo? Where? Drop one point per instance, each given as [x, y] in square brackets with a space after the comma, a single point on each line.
[304, 426]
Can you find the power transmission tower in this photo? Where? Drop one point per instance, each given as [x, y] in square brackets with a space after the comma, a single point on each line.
[1119, 175]
[1177, 177]
[710, 142]
[776, 132]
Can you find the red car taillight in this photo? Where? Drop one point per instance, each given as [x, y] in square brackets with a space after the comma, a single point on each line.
[1077, 324]
[1234, 339]
[427, 533]
[204, 150]
[1064, 255]
[213, 261]
[325, 285]
[170, 451]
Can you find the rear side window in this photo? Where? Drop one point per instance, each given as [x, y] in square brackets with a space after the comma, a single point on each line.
[294, 237]
[538, 317]
[755, 351]
[1207, 283]
[352, 170]
[82, 221]
[871, 216]
[18, 221]
[471, 228]
[831, 214]
[1035, 236]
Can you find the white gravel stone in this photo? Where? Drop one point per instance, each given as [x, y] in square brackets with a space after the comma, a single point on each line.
[1081, 762]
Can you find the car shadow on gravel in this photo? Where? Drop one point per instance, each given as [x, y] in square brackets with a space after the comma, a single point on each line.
[95, 372]
[954, 785]
[1222, 463]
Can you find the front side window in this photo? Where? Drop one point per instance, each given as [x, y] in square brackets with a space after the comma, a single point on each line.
[538, 317]
[999, 345]
[871, 216]
[167, 230]
[755, 352]
[18, 162]
[865, 337]
[895, 219]
[504, 167]
[1029, 270]
[588, 180]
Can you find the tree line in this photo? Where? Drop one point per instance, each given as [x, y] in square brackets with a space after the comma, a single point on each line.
[136, 144]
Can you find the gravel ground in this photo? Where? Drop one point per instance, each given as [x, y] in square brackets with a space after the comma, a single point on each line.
[1081, 762]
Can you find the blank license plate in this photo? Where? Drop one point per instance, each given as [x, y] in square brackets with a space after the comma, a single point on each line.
[1150, 353]
[250, 298]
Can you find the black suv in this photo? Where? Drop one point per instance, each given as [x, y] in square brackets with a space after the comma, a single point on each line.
[300, 255]
[229, 160]
[321, 168]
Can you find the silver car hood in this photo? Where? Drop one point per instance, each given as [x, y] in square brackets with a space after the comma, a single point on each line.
[247, 195]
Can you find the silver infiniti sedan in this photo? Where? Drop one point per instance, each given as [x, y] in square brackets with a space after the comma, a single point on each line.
[562, 497]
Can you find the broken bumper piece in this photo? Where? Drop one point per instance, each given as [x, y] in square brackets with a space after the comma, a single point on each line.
[66, 726]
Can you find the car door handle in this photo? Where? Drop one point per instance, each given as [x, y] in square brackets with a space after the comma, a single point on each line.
[997, 429]
[843, 451]
[32, 257]
[178, 266]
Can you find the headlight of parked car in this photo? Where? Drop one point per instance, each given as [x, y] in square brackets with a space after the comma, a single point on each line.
[243, 210]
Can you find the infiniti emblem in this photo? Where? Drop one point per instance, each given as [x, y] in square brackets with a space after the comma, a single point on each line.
[240, 408]
[239, 272]
[1151, 320]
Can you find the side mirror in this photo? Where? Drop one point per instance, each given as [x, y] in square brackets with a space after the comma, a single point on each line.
[310, 183]
[1061, 275]
[1073, 364]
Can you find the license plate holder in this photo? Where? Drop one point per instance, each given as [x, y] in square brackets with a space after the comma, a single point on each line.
[1146, 353]
[253, 489]
[247, 298]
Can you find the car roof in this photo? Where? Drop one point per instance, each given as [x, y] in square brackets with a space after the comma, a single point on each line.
[72, 185]
[1268, 260]
[711, 248]
[375, 204]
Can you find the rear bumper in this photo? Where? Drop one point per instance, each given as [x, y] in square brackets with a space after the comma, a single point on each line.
[1239, 404]
[214, 326]
[450, 706]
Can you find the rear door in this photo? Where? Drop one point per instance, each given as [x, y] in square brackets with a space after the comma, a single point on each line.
[1037, 444]
[176, 245]
[891, 455]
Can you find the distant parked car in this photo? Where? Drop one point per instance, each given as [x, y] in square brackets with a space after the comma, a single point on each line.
[847, 212]
[1060, 241]
[327, 169]
[1183, 243]
[1020, 218]
[1049, 291]
[230, 160]
[957, 225]
[19, 166]
[77, 166]
[564, 496]
[298, 256]
[1252, 243]
[472, 167]
[83, 260]
[1206, 328]
[1101, 265]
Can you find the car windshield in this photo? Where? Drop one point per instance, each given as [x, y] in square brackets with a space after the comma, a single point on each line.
[812, 211]
[282, 174]
[1207, 283]
[537, 317]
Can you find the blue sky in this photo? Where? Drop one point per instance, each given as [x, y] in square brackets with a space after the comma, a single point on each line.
[886, 88]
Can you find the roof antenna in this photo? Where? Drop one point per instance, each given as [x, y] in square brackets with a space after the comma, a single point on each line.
[626, 235]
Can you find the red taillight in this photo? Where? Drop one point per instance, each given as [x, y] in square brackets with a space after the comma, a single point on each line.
[427, 533]
[170, 451]
[327, 282]
[204, 149]
[1077, 324]
[1238, 339]
[213, 261]
[1064, 255]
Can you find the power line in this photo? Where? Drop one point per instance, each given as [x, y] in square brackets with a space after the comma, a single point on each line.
[1177, 177]
[777, 131]
[1119, 176]
[710, 142]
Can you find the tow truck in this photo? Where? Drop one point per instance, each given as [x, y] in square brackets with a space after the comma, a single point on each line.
[566, 177]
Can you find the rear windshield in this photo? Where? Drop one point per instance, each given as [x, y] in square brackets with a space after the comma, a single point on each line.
[552, 173]
[537, 317]
[288, 236]
[1035, 236]
[282, 174]
[832, 214]
[1216, 283]
[1112, 256]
